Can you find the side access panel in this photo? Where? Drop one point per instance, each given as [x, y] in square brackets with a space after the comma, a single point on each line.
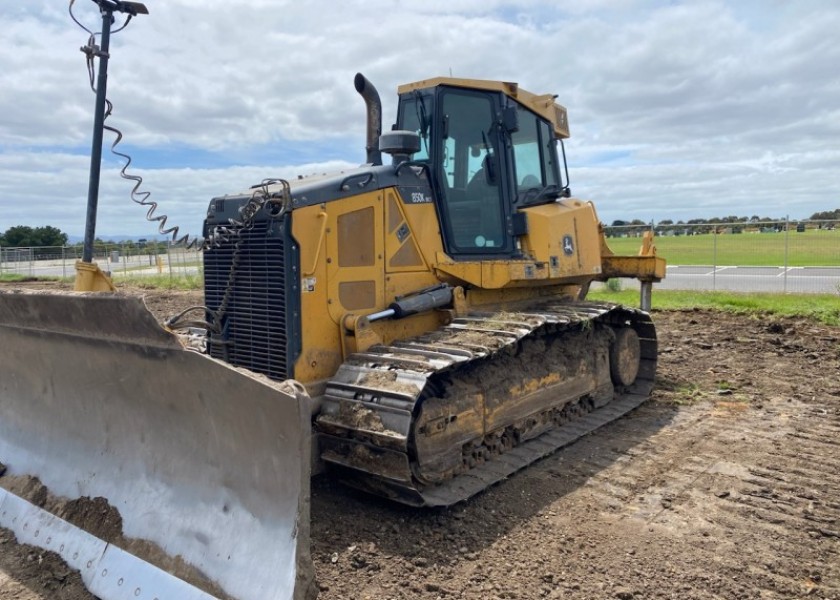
[206, 465]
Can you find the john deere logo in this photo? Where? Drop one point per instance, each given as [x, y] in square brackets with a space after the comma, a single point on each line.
[568, 245]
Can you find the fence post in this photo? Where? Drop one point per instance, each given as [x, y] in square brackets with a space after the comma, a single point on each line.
[169, 261]
[787, 241]
[714, 258]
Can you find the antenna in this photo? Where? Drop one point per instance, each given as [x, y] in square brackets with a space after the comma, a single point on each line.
[107, 8]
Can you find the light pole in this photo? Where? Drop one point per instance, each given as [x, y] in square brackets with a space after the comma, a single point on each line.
[88, 275]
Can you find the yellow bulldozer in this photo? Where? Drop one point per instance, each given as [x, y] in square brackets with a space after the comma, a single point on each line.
[416, 327]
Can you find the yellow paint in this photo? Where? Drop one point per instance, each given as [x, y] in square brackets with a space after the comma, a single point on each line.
[423, 222]
[646, 268]
[374, 271]
[393, 244]
[310, 252]
[546, 270]
[564, 236]
[316, 229]
[532, 385]
[321, 340]
[90, 278]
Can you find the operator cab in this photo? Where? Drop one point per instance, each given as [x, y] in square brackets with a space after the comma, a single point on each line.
[491, 149]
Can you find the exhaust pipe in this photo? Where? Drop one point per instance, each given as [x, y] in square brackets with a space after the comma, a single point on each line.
[374, 117]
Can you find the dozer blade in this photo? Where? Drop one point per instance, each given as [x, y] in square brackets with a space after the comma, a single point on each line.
[154, 470]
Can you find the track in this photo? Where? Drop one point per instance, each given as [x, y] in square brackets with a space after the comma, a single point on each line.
[433, 420]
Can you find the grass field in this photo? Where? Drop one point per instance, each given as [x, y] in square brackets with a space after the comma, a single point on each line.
[810, 248]
[820, 307]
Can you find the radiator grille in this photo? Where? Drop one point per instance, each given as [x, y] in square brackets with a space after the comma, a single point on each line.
[255, 333]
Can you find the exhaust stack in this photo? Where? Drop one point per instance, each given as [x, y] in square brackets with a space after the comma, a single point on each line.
[374, 117]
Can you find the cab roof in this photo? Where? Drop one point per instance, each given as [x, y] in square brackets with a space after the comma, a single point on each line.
[544, 105]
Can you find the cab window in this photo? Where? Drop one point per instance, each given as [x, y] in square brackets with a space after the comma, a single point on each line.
[534, 156]
[412, 117]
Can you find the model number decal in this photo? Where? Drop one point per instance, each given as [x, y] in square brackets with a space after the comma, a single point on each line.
[419, 198]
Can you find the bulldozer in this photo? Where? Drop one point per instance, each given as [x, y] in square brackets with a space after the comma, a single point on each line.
[416, 327]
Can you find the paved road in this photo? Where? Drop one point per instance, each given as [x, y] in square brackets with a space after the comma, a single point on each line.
[135, 266]
[806, 280]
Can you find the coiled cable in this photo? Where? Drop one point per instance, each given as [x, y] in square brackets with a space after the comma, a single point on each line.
[275, 202]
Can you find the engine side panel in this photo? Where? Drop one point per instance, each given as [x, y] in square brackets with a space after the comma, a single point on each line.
[357, 255]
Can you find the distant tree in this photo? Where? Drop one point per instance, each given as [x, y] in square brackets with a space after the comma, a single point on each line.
[665, 226]
[699, 226]
[25, 236]
[826, 215]
[19, 235]
[50, 236]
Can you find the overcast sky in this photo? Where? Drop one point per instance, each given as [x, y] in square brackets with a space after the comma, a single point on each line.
[677, 110]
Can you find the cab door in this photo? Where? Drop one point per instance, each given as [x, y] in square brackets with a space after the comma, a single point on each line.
[468, 169]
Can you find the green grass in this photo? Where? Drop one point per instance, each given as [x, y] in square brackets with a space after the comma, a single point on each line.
[13, 277]
[162, 281]
[813, 247]
[174, 267]
[824, 308]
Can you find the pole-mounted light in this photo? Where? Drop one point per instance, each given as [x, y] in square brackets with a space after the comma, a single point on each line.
[107, 8]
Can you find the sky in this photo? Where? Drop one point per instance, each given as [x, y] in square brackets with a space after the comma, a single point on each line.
[677, 110]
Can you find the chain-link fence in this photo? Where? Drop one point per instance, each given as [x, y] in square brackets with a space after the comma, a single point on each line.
[123, 261]
[744, 256]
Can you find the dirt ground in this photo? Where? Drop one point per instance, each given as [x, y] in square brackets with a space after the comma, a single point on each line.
[726, 484]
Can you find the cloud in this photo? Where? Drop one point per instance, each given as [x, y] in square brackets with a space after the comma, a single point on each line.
[677, 110]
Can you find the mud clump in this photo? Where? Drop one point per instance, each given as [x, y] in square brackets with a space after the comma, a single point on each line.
[44, 573]
[358, 417]
[95, 516]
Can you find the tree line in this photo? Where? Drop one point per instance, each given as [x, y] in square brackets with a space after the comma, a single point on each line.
[735, 224]
[48, 238]
[22, 236]
[827, 215]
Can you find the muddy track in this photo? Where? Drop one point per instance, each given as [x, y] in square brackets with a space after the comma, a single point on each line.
[482, 369]
[725, 485]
